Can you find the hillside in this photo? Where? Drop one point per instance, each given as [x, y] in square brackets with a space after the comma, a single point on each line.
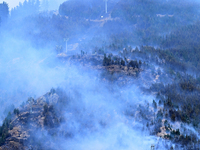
[125, 79]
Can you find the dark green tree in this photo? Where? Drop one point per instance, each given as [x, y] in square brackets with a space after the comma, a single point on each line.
[16, 111]
[154, 104]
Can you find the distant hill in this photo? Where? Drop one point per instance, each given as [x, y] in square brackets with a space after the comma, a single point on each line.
[155, 18]
[90, 9]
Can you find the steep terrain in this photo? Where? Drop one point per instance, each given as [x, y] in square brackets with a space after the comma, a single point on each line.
[35, 116]
[126, 79]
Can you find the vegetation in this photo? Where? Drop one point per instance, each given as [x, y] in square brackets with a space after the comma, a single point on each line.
[16, 111]
[4, 12]
[168, 33]
[86, 9]
[156, 18]
[110, 60]
[4, 128]
[27, 8]
[182, 104]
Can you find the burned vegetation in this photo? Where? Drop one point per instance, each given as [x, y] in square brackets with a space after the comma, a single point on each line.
[19, 127]
[144, 57]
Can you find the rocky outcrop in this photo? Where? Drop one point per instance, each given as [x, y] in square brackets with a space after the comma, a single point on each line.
[34, 116]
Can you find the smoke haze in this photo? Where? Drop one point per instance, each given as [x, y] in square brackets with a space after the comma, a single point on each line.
[69, 51]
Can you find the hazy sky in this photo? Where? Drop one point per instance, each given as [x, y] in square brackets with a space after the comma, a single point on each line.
[53, 4]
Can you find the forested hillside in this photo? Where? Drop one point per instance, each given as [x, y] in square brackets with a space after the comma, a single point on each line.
[94, 74]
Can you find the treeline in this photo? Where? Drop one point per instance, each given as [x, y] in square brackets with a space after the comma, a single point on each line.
[150, 55]
[107, 61]
[26, 8]
[4, 12]
[170, 58]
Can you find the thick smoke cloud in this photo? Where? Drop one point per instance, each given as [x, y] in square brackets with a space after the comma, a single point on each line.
[26, 72]
[51, 4]
[96, 115]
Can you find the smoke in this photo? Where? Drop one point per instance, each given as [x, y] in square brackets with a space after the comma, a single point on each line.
[26, 71]
[51, 4]
[96, 113]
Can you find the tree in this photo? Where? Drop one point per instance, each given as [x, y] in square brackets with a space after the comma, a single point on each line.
[46, 109]
[4, 12]
[133, 64]
[154, 104]
[136, 49]
[16, 111]
[122, 62]
[140, 62]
